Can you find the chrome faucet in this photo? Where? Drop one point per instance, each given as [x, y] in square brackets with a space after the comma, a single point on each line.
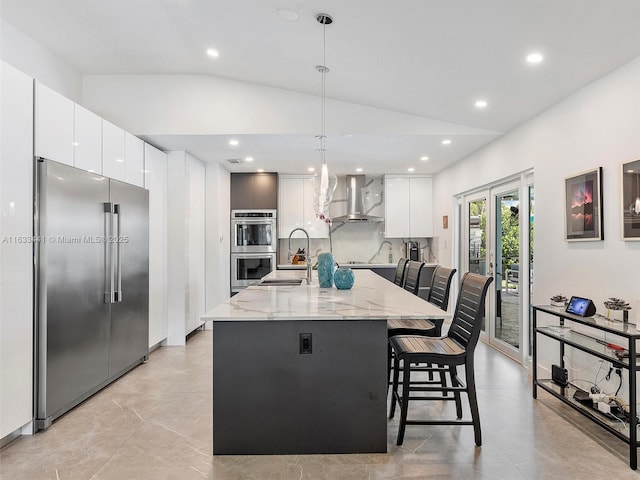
[308, 255]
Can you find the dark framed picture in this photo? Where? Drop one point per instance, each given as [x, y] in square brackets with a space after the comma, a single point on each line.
[631, 200]
[583, 207]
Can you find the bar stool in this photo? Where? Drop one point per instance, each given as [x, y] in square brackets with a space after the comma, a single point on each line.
[412, 276]
[400, 271]
[439, 296]
[457, 348]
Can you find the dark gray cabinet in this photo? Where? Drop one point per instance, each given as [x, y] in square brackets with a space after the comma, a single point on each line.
[254, 190]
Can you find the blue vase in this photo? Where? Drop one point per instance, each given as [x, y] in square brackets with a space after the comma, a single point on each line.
[344, 278]
[325, 270]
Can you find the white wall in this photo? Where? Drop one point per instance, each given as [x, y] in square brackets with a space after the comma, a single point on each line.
[218, 229]
[597, 126]
[30, 57]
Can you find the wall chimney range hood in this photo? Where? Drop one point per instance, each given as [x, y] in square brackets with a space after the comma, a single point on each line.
[355, 202]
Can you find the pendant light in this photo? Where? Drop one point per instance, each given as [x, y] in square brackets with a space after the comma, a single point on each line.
[325, 184]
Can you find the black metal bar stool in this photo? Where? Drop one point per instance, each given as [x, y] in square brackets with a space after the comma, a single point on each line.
[457, 348]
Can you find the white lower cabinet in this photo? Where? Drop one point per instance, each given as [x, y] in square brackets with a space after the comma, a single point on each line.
[295, 207]
[16, 250]
[408, 206]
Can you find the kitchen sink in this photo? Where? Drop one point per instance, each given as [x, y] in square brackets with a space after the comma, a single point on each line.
[281, 282]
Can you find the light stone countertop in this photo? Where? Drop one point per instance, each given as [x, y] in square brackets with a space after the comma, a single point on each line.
[372, 297]
[355, 266]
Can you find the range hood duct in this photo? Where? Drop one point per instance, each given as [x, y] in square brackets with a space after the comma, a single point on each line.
[355, 202]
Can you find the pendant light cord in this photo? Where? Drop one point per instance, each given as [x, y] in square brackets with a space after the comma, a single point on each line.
[323, 71]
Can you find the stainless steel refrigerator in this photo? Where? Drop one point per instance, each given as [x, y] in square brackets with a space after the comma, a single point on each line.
[92, 284]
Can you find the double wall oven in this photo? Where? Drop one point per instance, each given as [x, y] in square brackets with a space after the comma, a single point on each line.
[254, 242]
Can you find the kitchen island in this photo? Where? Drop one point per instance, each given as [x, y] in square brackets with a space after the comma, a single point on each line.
[302, 369]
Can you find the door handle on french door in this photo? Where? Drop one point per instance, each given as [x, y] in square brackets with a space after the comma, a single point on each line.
[108, 261]
[118, 273]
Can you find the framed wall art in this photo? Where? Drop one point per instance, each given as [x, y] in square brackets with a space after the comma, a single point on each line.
[583, 206]
[630, 194]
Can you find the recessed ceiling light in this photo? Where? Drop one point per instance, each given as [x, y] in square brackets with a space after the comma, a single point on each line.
[311, 169]
[119, 160]
[358, 169]
[260, 170]
[288, 14]
[233, 143]
[481, 103]
[410, 169]
[75, 144]
[248, 159]
[446, 141]
[424, 159]
[212, 52]
[535, 57]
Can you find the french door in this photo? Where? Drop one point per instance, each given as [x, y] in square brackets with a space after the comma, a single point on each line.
[495, 241]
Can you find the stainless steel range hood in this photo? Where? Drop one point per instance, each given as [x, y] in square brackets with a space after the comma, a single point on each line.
[355, 202]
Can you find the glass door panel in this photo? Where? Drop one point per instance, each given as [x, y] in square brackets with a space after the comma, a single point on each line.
[507, 268]
[477, 238]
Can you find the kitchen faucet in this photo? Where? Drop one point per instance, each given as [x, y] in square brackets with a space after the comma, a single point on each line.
[308, 252]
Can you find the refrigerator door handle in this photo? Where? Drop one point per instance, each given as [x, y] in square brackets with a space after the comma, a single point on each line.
[108, 261]
[117, 239]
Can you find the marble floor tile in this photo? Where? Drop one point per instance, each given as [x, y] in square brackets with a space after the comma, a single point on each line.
[155, 423]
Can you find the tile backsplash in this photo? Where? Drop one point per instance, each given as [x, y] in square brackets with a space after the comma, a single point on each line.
[361, 242]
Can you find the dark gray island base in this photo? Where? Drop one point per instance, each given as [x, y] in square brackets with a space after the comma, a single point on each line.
[268, 398]
[302, 369]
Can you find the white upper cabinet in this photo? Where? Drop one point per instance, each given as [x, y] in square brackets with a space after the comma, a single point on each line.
[54, 131]
[295, 207]
[396, 207]
[87, 140]
[133, 160]
[290, 204]
[408, 206]
[113, 151]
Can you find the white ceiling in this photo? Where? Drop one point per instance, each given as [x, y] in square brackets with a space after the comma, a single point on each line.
[431, 59]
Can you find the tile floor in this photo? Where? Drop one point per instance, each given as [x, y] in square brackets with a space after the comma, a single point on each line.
[155, 423]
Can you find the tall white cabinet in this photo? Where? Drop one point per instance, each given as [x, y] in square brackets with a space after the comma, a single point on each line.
[16, 254]
[155, 180]
[408, 206]
[186, 247]
[295, 207]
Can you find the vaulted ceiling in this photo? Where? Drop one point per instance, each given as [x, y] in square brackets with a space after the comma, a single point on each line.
[431, 59]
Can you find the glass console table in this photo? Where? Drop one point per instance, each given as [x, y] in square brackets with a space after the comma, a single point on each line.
[609, 340]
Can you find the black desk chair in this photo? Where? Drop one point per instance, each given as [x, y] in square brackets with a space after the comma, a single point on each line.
[457, 348]
[400, 271]
[412, 276]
